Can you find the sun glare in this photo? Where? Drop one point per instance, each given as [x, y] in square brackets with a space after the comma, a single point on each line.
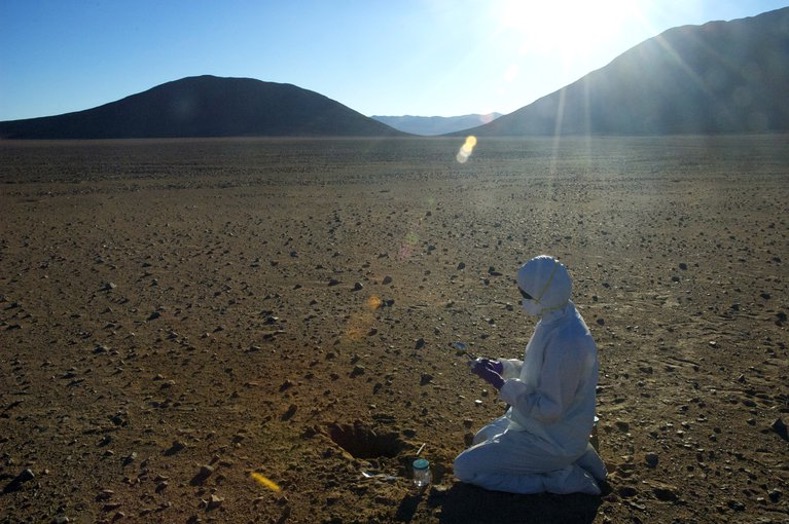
[564, 27]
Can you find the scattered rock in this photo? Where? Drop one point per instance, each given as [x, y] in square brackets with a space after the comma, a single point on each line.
[176, 446]
[214, 502]
[665, 492]
[779, 427]
[202, 475]
[17, 482]
[128, 459]
[651, 459]
[289, 413]
[387, 280]
[622, 426]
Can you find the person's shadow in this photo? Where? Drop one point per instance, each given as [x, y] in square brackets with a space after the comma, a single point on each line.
[467, 504]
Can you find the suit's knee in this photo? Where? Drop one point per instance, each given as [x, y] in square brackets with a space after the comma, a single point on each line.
[462, 468]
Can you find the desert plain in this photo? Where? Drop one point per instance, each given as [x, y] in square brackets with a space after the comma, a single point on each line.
[260, 330]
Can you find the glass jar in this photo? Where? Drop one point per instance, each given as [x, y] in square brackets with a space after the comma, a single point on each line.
[422, 476]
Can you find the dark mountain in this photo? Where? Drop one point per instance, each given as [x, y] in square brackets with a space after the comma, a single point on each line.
[721, 77]
[435, 125]
[206, 106]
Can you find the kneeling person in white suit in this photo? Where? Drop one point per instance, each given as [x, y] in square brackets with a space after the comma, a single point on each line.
[542, 442]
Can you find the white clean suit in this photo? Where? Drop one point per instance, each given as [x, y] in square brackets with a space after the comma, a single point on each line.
[542, 442]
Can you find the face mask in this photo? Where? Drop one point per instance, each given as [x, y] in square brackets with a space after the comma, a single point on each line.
[531, 307]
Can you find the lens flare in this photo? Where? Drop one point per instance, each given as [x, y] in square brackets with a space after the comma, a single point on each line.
[374, 303]
[466, 149]
[263, 481]
[409, 245]
[360, 323]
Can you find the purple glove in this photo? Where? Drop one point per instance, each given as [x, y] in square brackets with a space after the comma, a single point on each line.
[489, 371]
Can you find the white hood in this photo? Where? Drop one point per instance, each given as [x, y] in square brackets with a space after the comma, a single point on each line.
[547, 281]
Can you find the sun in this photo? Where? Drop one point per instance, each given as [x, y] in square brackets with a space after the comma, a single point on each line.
[561, 27]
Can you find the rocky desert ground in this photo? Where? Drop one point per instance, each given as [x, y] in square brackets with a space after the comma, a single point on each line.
[259, 330]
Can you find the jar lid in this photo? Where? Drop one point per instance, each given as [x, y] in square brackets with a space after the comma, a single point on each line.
[421, 464]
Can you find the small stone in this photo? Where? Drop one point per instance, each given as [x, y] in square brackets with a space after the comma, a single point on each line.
[651, 459]
[779, 427]
[358, 286]
[622, 426]
[202, 475]
[176, 446]
[334, 282]
[214, 502]
[462, 265]
[420, 343]
[665, 493]
[25, 476]
[426, 379]
[775, 494]
[387, 280]
[128, 459]
[105, 494]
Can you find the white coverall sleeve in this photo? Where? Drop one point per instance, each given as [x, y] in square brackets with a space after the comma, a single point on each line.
[559, 378]
[512, 368]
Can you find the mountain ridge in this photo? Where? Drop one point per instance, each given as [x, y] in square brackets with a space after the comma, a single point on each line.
[719, 77]
[206, 106]
[435, 125]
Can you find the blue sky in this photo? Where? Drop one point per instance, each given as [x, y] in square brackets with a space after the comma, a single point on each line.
[379, 57]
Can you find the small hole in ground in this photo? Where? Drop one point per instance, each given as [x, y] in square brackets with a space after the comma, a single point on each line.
[365, 443]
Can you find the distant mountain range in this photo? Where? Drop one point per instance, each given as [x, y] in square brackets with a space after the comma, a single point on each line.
[435, 125]
[206, 106]
[721, 77]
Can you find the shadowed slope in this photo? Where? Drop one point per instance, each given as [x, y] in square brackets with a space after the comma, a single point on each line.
[207, 106]
[721, 77]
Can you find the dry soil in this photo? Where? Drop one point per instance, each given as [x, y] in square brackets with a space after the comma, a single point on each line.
[184, 323]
